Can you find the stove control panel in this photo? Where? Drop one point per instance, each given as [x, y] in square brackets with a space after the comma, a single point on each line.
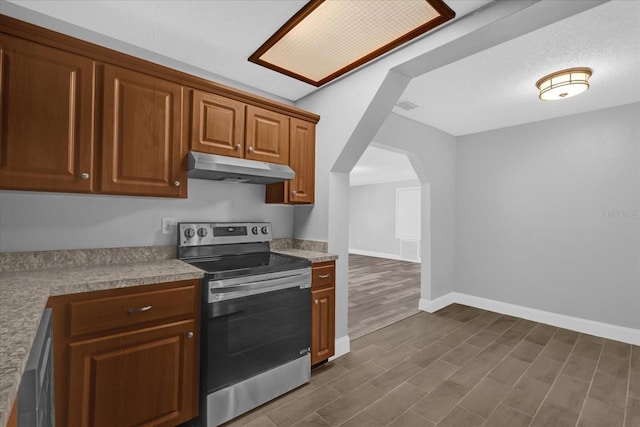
[222, 233]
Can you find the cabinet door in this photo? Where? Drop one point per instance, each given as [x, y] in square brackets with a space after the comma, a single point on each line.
[145, 377]
[217, 125]
[302, 160]
[267, 136]
[322, 325]
[142, 135]
[46, 108]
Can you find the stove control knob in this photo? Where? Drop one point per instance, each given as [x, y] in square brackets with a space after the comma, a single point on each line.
[202, 232]
[254, 230]
[264, 229]
[189, 233]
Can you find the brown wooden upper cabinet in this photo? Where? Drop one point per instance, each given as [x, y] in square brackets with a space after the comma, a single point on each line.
[217, 125]
[232, 128]
[142, 135]
[46, 110]
[77, 117]
[302, 153]
[267, 137]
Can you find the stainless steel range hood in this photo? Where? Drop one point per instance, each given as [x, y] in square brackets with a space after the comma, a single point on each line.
[231, 169]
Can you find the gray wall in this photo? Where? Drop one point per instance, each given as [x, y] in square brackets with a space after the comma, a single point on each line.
[547, 215]
[31, 221]
[372, 217]
[433, 155]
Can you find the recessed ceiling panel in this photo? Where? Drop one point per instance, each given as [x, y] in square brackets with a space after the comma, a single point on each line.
[328, 38]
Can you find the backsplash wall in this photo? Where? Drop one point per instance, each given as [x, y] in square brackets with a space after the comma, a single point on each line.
[31, 221]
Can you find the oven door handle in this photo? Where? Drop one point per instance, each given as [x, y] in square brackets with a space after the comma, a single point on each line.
[300, 275]
[249, 289]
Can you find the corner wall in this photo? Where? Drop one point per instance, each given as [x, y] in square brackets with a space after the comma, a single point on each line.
[435, 152]
[547, 216]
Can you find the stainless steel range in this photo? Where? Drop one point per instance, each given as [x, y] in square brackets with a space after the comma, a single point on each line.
[256, 317]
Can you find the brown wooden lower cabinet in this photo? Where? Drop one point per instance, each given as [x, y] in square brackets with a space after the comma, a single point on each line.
[323, 302]
[133, 378]
[13, 416]
[142, 373]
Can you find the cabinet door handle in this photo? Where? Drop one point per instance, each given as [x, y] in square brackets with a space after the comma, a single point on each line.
[324, 276]
[238, 146]
[250, 149]
[84, 175]
[294, 192]
[139, 310]
[189, 334]
[315, 301]
[176, 183]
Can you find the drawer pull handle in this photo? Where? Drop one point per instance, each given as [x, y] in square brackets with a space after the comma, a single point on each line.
[324, 276]
[315, 301]
[189, 334]
[139, 310]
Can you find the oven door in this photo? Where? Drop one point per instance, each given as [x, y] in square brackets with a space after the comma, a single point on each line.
[256, 323]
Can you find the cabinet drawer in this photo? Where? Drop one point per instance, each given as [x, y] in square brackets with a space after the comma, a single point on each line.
[323, 275]
[120, 311]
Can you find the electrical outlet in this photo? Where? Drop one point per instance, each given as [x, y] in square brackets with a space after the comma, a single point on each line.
[168, 224]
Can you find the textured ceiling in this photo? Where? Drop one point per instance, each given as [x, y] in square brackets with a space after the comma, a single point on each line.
[495, 88]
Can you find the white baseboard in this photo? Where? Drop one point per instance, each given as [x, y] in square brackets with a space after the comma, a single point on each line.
[343, 346]
[380, 255]
[600, 329]
[431, 306]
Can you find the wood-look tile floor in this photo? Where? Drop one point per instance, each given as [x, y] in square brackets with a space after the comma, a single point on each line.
[466, 367]
[381, 292]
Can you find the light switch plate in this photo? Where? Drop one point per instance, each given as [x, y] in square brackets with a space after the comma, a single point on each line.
[168, 224]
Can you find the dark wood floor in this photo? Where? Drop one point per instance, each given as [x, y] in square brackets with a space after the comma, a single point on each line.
[381, 292]
[466, 367]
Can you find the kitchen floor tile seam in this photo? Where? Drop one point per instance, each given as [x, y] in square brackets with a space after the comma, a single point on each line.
[533, 417]
[371, 404]
[481, 348]
[469, 391]
[510, 407]
[519, 378]
[593, 375]
[487, 376]
[349, 371]
[462, 324]
[320, 416]
[626, 404]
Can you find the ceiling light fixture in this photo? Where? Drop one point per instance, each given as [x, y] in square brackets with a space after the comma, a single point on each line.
[564, 84]
[328, 38]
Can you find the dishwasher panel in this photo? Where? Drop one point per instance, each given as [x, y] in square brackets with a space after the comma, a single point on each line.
[36, 406]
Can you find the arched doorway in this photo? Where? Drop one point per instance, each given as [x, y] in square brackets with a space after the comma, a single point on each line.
[385, 240]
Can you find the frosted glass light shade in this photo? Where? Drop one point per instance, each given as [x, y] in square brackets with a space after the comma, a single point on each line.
[564, 84]
[328, 38]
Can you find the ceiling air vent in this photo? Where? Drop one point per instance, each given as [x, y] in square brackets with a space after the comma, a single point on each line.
[406, 105]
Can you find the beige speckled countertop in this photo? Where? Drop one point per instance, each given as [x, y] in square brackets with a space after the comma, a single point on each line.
[28, 279]
[24, 294]
[312, 256]
[314, 251]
